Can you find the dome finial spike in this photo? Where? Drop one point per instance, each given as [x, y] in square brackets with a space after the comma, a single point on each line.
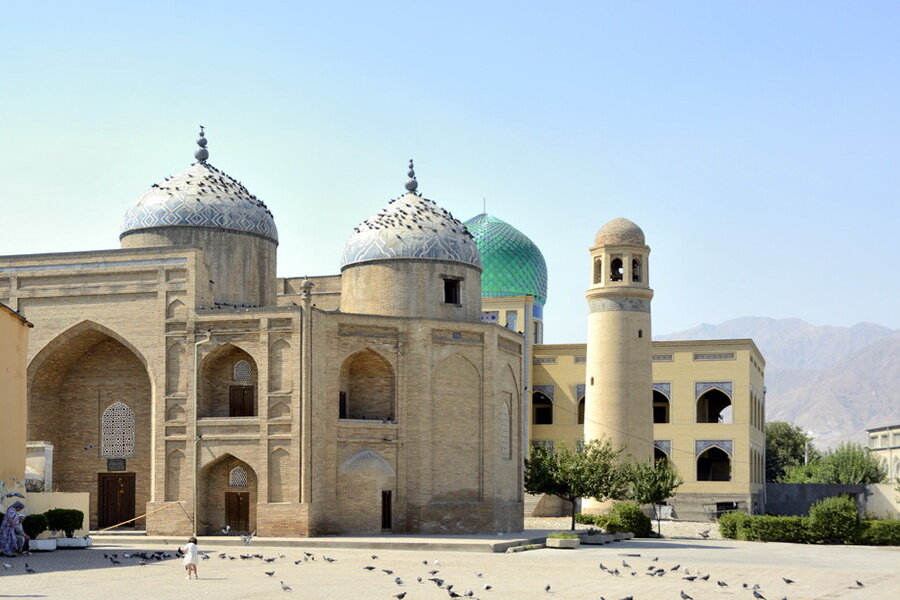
[411, 183]
[202, 153]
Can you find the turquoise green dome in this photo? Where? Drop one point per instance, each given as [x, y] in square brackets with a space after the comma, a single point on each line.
[513, 265]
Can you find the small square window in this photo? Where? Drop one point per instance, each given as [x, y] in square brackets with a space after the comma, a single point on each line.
[451, 291]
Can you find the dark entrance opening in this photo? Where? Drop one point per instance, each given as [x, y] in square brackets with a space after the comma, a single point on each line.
[237, 511]
[116, 499]
[386, 509]
[714, 465]
[241, 401]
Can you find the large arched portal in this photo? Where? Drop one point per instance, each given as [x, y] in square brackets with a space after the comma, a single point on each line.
[227, 496]
[90, 395]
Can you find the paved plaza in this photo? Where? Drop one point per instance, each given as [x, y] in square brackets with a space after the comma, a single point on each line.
[820, 572]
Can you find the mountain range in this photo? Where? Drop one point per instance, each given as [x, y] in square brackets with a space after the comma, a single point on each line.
[835, 382]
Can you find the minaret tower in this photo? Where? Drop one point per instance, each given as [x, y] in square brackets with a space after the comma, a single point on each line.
[618, 378]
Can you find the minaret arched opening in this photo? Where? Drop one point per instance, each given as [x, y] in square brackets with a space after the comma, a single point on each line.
[616, 270]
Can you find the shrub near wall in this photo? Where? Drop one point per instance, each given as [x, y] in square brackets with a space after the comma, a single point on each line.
[763, 528]
[880, 533]
[731, 522]
[627, 516]
[834, 521]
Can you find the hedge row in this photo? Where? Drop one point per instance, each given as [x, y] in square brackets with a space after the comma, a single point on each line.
[830, 521]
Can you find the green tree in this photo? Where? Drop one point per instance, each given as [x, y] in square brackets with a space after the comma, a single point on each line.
[848, 463]
[596, 471]
[786, 446]
[652, 483]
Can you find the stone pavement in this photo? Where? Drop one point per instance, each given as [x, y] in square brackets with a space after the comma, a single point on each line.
[821, 572]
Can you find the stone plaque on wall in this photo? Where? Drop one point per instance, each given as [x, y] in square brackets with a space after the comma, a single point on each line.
[115, 464]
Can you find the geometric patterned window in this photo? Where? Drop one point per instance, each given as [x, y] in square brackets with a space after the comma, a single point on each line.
[117, 432]
[505, 430]
[242, 371]
[237, 478]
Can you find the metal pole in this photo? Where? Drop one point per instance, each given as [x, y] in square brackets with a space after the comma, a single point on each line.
[197, 435]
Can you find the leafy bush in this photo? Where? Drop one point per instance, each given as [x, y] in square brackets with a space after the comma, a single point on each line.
[880, 533]
[834, 521]
[848, 463]
[764, 528]
[65, 519]
[730, 523]
[35, 525]
[627, 516]
[563, 535]
[597, 520]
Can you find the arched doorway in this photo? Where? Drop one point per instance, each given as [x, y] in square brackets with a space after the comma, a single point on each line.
[367, 387]
[714, 464]
[227, 496]
[366, 483]
[90, 395]
[229, 384]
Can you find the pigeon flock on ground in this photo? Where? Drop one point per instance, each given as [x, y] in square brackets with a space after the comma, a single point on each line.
[278, 566]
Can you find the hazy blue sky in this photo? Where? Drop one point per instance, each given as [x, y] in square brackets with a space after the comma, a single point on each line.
[756, 143]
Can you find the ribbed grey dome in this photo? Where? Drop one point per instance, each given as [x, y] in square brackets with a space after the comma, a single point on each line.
[200, 196]
[411, 227]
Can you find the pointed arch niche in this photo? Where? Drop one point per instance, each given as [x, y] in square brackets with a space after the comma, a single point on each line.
[228, 384]
[366, 387]
[280, 368]
[456, 430]
[228, 496]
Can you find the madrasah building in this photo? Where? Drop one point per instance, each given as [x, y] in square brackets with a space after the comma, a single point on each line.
[179, 377]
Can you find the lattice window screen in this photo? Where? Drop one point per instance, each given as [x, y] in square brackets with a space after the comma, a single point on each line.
[237, 478]
[242, 371]
[117, 432]
[505, 430]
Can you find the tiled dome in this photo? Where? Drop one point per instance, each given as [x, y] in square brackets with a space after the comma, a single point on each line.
[512, 264]
[200, 196]
[411, 227]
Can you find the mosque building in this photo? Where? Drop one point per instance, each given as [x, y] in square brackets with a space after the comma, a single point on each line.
[180, 378]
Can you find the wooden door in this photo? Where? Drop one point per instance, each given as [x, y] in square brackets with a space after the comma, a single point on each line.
[116, 499]
[237, 511]
[386, 521]
[241, 401]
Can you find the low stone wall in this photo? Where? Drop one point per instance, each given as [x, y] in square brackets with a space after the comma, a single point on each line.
[41, 502]
[883, 500]
[797, 498]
